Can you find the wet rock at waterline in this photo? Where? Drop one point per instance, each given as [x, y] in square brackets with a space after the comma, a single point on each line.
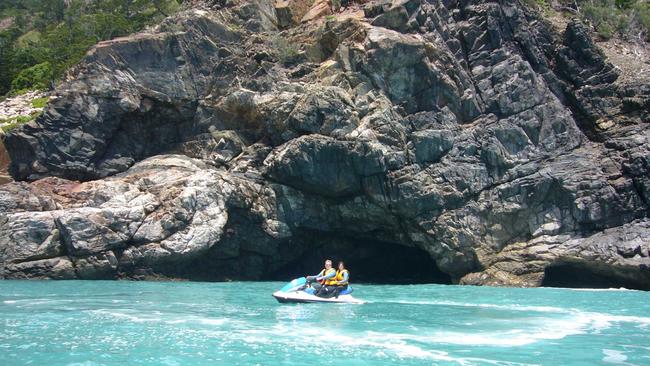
[468, 133]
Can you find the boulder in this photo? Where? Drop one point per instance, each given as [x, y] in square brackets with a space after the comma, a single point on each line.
[319, 9]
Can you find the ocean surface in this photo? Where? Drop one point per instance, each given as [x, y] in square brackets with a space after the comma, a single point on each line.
[239, 323]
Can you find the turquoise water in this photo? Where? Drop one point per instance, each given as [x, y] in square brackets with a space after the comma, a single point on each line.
[180, 323]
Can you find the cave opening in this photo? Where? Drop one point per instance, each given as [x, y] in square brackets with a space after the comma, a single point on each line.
[369, 261]
[590, 275]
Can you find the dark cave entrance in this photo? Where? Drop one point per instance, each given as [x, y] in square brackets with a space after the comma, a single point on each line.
[590, 275]
[369, 261]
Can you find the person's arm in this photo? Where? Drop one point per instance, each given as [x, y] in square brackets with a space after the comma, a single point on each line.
[314, 277]
[326, 277]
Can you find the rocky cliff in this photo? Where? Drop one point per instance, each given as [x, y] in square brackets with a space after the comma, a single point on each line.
[451, 141]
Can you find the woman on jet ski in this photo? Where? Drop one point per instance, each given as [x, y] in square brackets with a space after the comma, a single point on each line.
[342, 277]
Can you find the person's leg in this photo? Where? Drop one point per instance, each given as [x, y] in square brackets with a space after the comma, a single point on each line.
[337, 290]
[318, 289]
[330, 291]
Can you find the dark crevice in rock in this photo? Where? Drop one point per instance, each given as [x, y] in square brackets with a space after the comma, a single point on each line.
[64, 238]
[472, 77]
[582, 274]
[640, 191]
[369, 261]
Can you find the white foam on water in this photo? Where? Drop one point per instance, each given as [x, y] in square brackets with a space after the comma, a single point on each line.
[384, 343]
[520, 333]
[596, 289]
[514, 307]
[27, 346]
[541, 329]
[475, 360]
[600, 321]
[176, 321]
[37, 301]
[126, 315]
[397, 347]
[158, 317]
[380, 344]
[212, 321]
[553, 328]
[501, 339]
[613, 356]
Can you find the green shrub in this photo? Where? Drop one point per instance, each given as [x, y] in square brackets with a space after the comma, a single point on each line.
[10, 126]
[628, 19]
[29, 38]
[643, 16]
[12, 123]
[59, 33]
[543, 4]
[605, 30]
[39, 102]
[25, 119]
[622, 25]
[625, 18]
[35, 77]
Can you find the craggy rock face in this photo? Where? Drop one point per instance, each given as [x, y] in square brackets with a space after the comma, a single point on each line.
[219, 147]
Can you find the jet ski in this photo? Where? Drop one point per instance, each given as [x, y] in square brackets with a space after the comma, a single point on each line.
[299, 291]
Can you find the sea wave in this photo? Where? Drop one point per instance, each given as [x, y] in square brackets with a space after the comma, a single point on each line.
[601, 321]
[595, 319]
[384, 344]
[514, 307]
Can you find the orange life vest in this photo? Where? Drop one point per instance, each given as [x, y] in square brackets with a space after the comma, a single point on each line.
[339, 277]
[329, 281]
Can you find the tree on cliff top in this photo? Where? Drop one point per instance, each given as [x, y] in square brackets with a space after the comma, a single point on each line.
[46, 37]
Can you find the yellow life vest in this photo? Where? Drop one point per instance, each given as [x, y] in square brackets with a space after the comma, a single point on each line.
[339, 277]
[329, 281]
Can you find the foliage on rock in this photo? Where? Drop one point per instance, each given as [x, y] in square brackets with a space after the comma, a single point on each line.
[47, 37]
[628, 19]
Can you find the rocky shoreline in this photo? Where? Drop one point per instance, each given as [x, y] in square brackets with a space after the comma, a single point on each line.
[232, 142]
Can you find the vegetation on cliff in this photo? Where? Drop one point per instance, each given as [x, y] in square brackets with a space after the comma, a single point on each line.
[628, 19]
[40, 39]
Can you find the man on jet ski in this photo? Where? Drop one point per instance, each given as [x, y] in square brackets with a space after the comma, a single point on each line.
[324, 280]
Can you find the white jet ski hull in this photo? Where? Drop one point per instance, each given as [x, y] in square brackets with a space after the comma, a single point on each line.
[303, 297]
